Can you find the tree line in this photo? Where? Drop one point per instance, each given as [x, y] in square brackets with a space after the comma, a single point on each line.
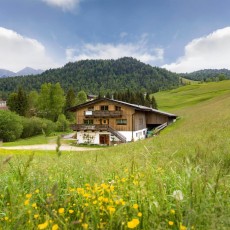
[94, 76]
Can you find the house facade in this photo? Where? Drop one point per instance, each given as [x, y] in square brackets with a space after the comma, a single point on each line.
[3, 105]
[107, 121]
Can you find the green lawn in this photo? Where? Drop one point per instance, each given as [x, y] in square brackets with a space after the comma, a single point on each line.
[179, 179]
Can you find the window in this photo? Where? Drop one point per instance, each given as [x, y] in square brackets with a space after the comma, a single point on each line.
[121, 121]
[117, 108]
[104, 107]
[88, 122]
[91, 108]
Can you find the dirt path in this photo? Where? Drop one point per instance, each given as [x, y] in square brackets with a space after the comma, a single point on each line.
[50, 147]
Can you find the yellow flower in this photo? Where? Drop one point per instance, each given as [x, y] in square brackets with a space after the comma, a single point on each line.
[133, 223]
[34, 205]
[123, 180]
[111, 210]
[135, 206]
[171, 223]
[61, 210]
[55, 227]
[6, 218]
[139, 214]
[37, 191]
[172, 211]
[71, 211]
[85, 226]
[26, 202]
[182, 227]
[36, 216]
[43, 226]
[28, 196]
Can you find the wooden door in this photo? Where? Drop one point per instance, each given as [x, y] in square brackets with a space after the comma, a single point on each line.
[104, 139]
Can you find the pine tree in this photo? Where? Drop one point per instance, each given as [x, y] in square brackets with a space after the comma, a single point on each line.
[70, 102]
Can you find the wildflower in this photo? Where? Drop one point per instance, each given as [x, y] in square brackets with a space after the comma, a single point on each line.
[37, 191]
[172, 211]
[26, 202]
[171, 223]
[178, 195]
[123, 180]
[61, 210]
[43, 226]
[36, 216]
[85, 226]
[6, 218]
[111, 210]
[139, 214]
[71, 211]
[34, 205]
[133, 223]
[182, 227]
[135, 206]
[55, 227]
[28, 196]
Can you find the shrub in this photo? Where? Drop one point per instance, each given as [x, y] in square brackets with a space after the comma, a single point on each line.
[10, 126]
[48, 127]
[62, 123]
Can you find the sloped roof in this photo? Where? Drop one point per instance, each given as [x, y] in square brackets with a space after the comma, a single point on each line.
[135, 106]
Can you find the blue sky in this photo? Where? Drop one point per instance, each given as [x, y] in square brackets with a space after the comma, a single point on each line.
[180, 35]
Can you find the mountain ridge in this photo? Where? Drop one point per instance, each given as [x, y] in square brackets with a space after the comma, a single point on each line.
[24, 72]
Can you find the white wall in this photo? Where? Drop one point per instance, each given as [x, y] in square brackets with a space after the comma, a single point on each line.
[137, 135]
[94, 135]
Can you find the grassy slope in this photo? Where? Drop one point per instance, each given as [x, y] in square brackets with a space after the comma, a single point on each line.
[192, 156]
[191, 94]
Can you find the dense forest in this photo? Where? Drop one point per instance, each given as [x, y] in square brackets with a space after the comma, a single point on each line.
[208, 75]
[94, 76]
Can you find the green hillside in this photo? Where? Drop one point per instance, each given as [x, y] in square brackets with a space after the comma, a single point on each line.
[177, 180]
[190, 95]
[94, 76]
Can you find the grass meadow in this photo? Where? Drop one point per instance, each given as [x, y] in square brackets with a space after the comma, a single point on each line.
[179, 179]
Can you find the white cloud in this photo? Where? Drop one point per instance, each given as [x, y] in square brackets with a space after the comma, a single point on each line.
[18, 52]
[139, 51]
[209, 52]
[66, 5]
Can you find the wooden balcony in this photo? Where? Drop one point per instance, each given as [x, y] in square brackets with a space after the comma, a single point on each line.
[103, 114]
[82, 127]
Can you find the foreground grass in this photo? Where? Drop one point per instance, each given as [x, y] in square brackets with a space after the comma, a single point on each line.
[177, 180]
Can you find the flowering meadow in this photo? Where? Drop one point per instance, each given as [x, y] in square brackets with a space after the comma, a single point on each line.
[177, 180]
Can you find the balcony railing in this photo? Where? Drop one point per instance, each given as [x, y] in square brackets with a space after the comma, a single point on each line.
[103, 113]
[82, 127]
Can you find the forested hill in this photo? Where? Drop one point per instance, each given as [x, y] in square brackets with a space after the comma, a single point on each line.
[208, 75]
[94, 76]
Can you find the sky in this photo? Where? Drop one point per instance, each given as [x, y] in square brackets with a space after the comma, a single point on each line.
[179, 35]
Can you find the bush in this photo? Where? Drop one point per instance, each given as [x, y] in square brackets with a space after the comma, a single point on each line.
[31, 126]
[48, 127]
[28, 128]
[10, 126]
[62, 123]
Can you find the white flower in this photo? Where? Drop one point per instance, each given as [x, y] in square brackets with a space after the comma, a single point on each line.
[178, 195]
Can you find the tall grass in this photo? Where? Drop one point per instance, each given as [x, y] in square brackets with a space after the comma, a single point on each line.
[177, 180]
